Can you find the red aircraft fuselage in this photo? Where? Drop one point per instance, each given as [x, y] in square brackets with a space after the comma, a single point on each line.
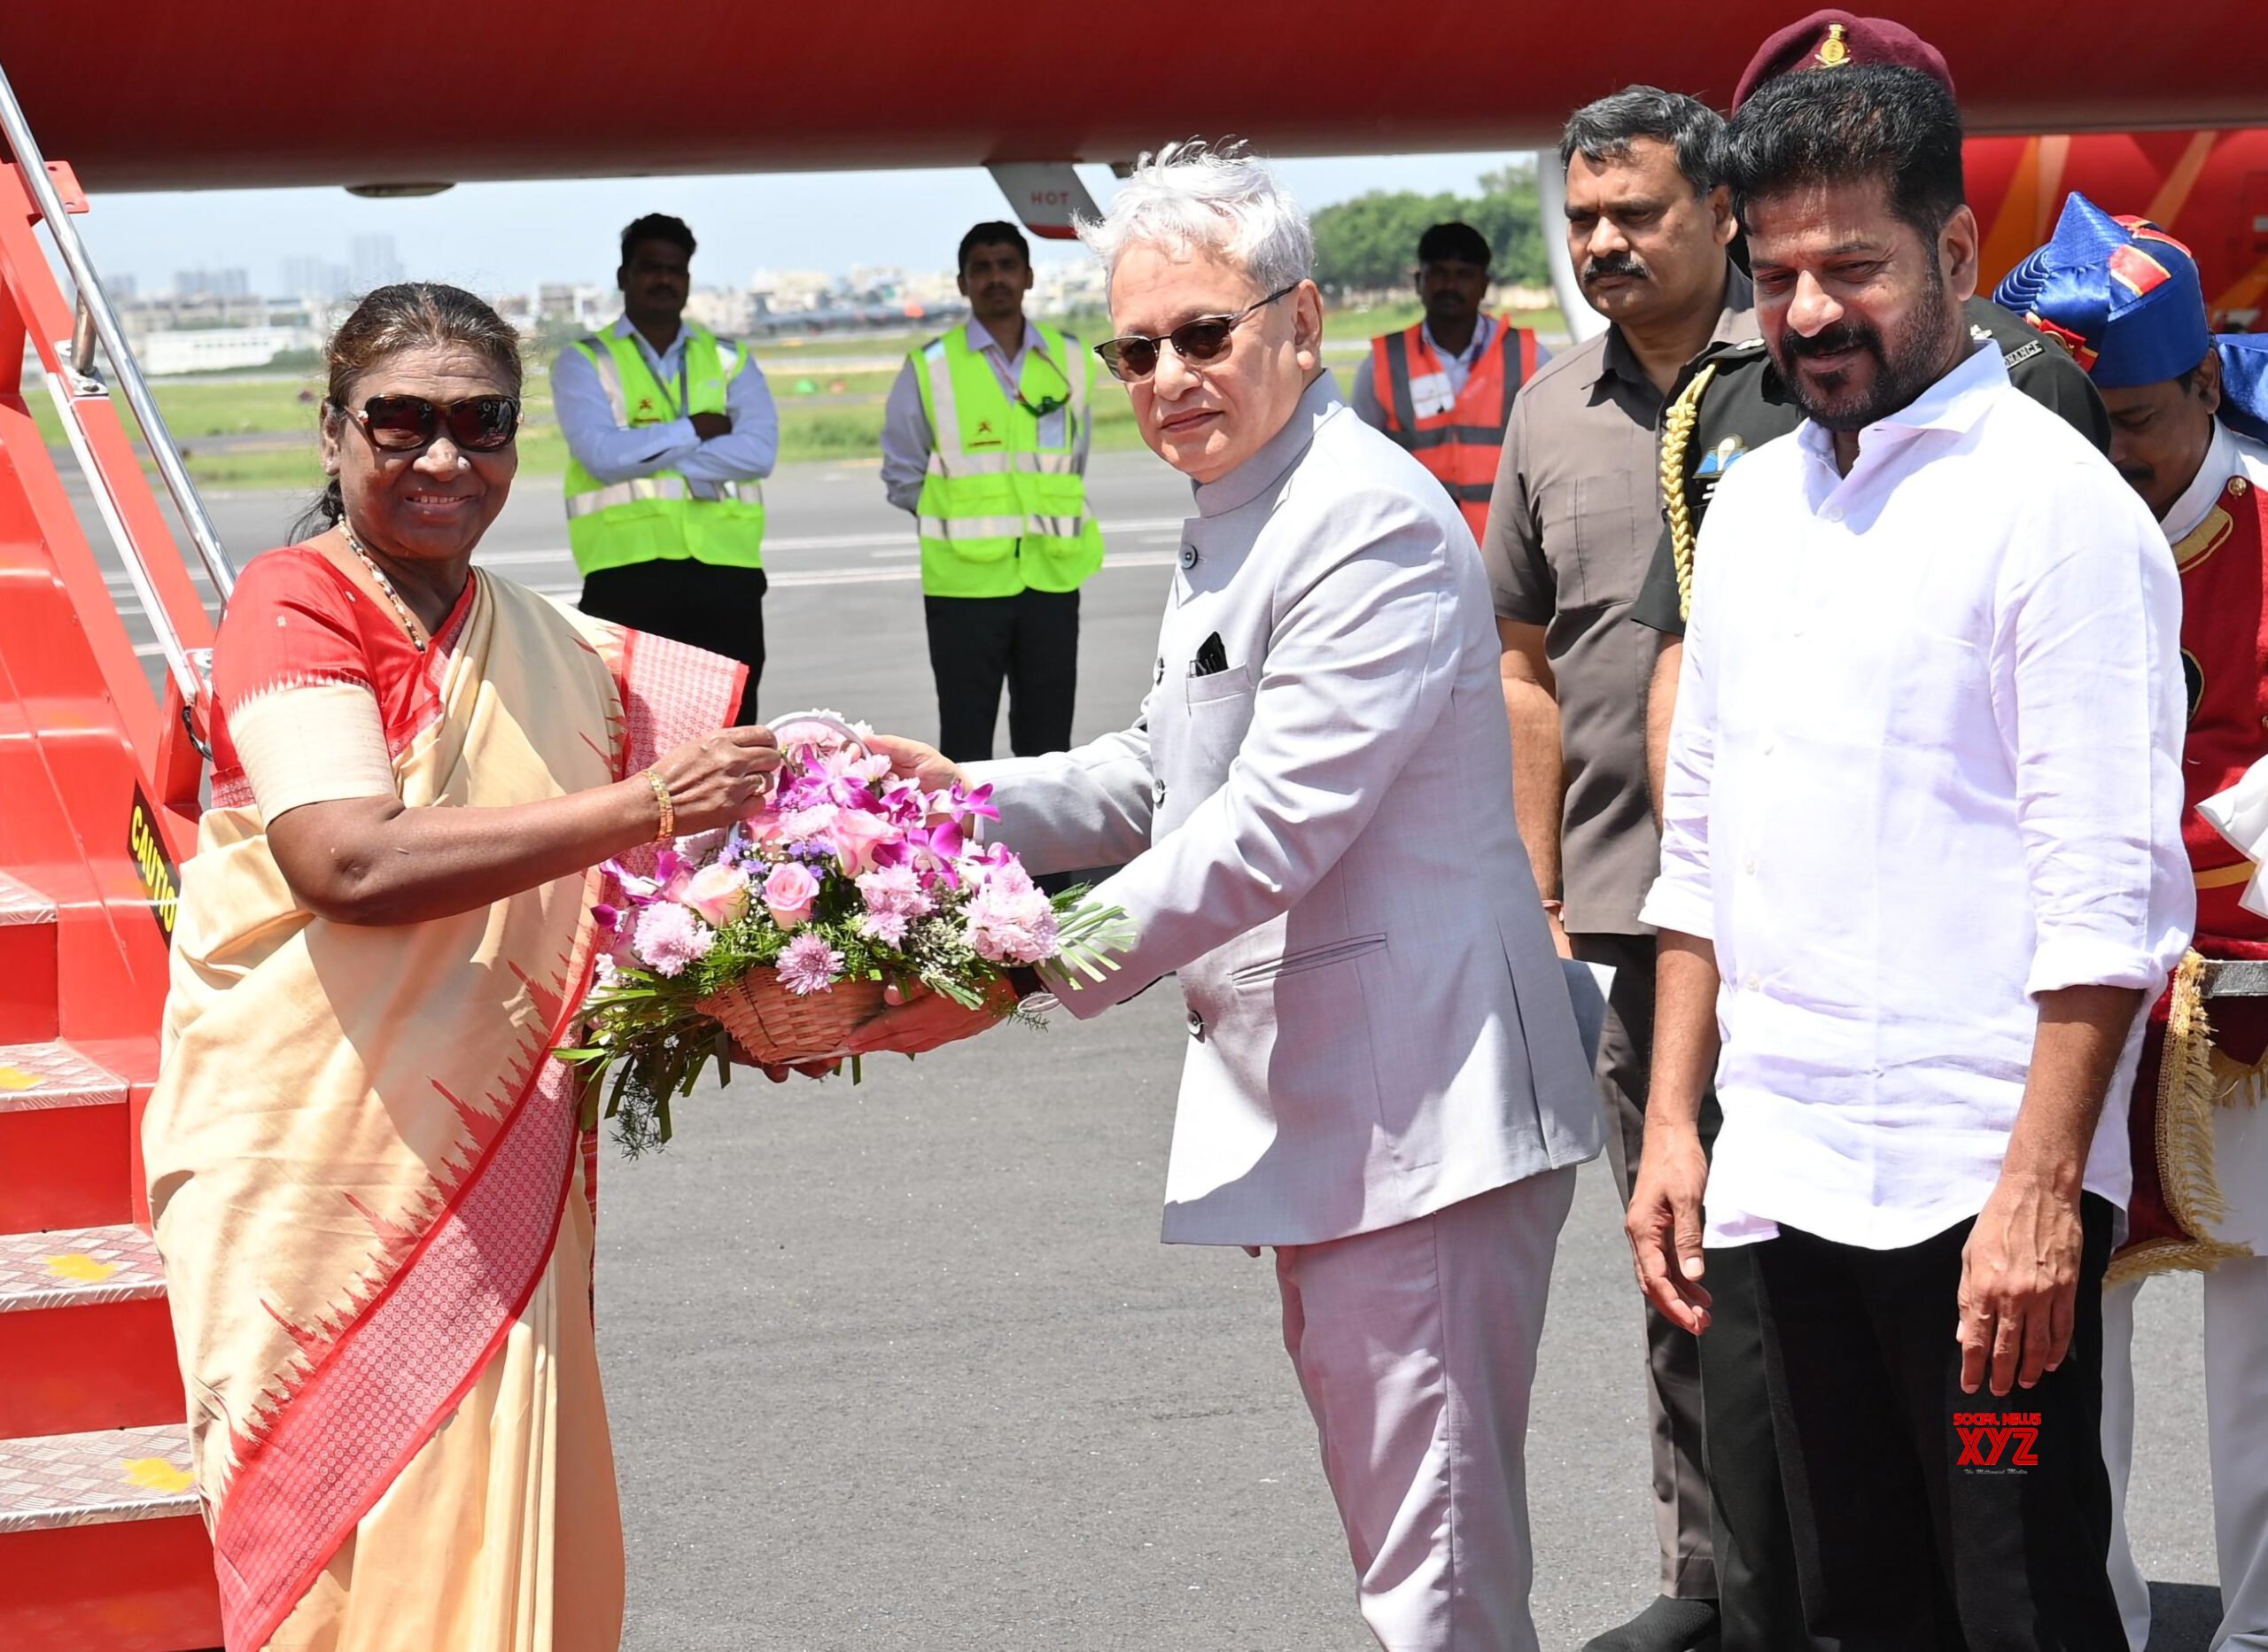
[142, 97]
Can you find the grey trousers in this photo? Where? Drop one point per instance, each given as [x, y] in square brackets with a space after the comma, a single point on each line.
[1416, 1346]
[1625, 1054]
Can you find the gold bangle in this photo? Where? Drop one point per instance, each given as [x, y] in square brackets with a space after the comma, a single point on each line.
[667, 830]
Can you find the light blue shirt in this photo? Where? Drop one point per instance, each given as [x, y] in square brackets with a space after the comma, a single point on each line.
[614, 452]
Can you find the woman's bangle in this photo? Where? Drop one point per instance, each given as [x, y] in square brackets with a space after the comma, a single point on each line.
[667, 830]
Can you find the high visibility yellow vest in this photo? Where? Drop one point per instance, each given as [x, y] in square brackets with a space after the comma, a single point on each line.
[656, 518]
[1003, 509]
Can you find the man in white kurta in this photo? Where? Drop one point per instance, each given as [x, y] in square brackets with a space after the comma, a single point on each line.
[1921, 866]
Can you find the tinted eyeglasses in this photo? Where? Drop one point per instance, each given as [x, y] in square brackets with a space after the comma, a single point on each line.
[1133, 357]
[410, 424]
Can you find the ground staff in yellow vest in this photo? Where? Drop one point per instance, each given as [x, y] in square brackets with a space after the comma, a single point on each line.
[985, 442]
[670, 430]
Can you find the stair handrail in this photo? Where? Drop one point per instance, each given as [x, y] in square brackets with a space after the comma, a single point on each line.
[95, 306]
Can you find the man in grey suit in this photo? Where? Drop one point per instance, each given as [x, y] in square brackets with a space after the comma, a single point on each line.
[1384, 1079]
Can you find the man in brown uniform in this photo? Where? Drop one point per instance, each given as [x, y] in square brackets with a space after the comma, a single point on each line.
[1572, 529]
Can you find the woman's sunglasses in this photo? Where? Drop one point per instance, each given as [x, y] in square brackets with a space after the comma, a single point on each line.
[1133, 357]
[410, 424]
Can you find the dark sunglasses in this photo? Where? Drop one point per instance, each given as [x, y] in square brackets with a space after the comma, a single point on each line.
[1134, 357]
[410, 424]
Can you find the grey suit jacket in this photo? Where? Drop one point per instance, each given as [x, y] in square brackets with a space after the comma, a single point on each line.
[1320, 840]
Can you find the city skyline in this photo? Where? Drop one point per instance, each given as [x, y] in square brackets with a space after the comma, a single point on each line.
[499, 238]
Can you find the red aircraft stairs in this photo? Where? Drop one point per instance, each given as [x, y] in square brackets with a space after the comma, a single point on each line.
[101, 1546]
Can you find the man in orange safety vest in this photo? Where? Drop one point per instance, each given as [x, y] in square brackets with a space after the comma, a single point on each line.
[1444, 387]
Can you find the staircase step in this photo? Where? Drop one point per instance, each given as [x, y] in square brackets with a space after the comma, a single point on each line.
[102, 1545]
[102, 1478]
[29, 994]
[20, 903]
[86, 1337]
[65, 1140]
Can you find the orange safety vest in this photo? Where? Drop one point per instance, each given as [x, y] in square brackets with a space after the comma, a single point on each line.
[1461, 443]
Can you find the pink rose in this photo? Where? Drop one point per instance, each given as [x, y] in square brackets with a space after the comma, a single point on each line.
[719, 894]
[788, 891]
[856, 834]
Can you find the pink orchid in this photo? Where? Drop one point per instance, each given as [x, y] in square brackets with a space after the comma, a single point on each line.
[636, 890]
[857, 834]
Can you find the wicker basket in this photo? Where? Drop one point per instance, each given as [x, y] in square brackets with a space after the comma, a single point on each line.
[773, 1027]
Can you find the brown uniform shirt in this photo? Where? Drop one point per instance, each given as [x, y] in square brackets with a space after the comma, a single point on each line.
[1572, 528]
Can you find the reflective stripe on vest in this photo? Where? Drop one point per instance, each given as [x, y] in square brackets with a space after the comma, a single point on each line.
[1461, 451]
[1003, 506]
[659, 517]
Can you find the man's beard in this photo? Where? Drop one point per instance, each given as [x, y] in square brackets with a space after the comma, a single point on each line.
[1904, 366]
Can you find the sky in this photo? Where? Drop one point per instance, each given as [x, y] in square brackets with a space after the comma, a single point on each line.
[503, 237]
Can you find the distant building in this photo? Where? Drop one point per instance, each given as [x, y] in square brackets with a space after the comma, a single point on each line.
[211, 283]
[220, 349]
[576, 303]
[784, 291]
[720, 309]
[316, 280]
[373, 262]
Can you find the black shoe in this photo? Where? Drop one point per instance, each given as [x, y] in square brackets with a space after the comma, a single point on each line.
[1667, 1625]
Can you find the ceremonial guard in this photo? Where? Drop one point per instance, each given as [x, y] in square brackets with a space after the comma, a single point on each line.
[2188, 415]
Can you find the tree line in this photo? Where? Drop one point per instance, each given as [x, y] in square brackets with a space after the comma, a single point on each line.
[1371, 243]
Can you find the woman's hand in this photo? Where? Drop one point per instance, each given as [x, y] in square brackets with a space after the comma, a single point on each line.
[720, 780]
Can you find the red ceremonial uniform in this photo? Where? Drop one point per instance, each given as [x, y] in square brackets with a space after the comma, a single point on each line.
[2224, 661]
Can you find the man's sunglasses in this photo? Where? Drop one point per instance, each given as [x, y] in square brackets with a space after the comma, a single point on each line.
[410, 424]
[1133, 357]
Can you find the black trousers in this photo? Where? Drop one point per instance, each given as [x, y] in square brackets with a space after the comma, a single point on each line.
[1925, 1519]
[721, 609]
[1029, 641]
[1759, 1603]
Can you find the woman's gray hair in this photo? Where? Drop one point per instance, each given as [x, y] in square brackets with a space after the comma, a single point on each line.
[1194, 196]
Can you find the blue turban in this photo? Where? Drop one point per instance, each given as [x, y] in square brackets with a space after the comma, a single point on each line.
[2122, 294]
[2244, 382]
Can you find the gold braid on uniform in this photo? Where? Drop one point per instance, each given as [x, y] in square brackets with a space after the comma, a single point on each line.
[1677, 438]
[2184, 1141]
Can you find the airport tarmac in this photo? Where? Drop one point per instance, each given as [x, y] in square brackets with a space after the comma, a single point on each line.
[904, 1366]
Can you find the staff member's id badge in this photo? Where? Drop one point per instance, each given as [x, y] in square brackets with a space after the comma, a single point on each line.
[1430, 394]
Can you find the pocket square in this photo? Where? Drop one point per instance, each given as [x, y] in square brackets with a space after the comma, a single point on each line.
[1212, 657]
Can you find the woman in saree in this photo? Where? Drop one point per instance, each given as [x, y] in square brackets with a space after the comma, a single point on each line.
[366, 1170]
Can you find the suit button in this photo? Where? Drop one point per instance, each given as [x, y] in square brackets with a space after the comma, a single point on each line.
[1160, 675]
[1197, 1026]
[1157, 792]
[1188, 557]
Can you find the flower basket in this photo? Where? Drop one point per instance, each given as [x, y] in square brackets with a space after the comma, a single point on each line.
[773, 1027]
[781, 929]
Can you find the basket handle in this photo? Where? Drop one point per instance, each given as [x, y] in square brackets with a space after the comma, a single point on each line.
[816, 727]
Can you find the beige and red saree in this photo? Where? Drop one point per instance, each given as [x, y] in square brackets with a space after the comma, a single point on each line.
[366, 1171]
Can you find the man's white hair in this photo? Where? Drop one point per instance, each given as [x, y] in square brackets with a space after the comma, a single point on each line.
[1191, 196]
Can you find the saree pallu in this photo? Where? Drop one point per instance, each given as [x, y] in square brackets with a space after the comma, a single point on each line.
[361, 1156]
